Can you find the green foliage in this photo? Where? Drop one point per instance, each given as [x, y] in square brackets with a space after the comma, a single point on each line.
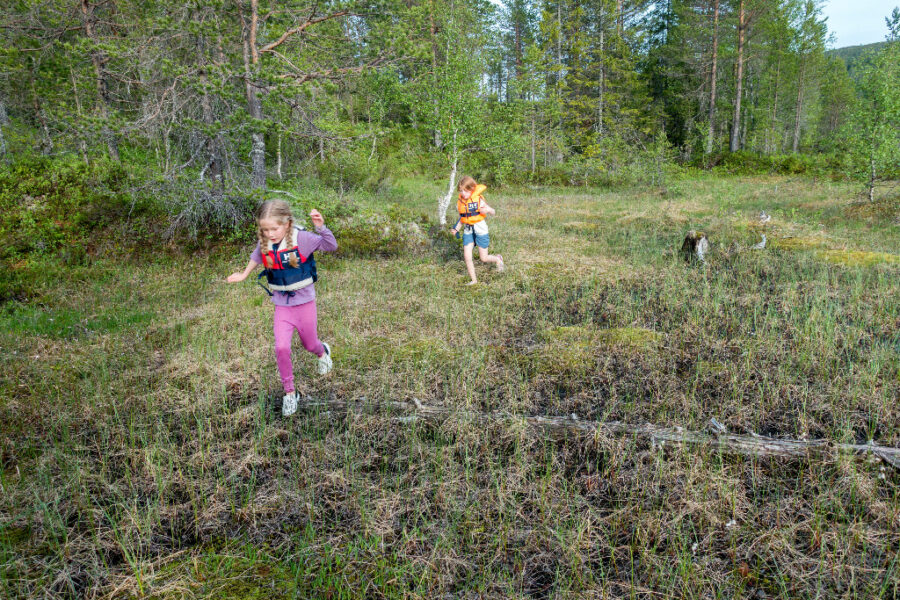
[873, 133]
[385, 234]
[352, 170]
[29, 319]
[50, 206]
[52, 211]
[855, 57]
[752, 163]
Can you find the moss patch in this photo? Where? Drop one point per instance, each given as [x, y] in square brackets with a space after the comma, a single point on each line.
[797, 243]
[858, 258]
[234, 574]
[636, 338]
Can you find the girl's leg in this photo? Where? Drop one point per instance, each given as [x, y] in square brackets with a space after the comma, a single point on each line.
[284, 331]
[490, 258]
[306, 322]
[470, 262]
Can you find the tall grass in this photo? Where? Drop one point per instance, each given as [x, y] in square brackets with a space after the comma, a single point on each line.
[143, 454]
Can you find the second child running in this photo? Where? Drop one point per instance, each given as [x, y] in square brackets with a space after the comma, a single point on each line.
[472, 210]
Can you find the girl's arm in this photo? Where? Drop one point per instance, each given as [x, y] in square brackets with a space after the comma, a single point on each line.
[456, 227]
[323, 239]
[242, 275]
[487, 209]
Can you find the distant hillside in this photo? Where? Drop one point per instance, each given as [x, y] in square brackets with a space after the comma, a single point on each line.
[853, 55]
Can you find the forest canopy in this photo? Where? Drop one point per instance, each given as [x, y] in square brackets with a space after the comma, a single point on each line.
[218, 96]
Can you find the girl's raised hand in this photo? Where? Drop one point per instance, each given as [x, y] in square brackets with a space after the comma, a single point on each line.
[317, 219]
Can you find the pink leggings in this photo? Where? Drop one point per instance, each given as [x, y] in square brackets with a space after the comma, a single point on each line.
[301, 317]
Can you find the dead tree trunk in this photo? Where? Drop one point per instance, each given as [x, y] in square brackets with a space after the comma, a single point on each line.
[563, 427]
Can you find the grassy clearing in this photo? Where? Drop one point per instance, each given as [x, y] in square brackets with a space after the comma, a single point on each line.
[142, 457]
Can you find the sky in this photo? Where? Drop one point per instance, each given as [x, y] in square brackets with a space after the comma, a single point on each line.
[855, 22]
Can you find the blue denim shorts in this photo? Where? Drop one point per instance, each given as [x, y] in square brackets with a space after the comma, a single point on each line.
[480, 240]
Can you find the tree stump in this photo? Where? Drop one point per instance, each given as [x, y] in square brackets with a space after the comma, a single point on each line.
[695, 246]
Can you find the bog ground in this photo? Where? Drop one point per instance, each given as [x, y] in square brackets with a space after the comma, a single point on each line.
[142, 456]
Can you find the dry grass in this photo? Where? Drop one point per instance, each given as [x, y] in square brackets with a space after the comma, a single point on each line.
[143, 457]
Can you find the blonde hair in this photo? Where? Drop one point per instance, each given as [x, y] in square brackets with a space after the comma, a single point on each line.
[279, 211]
[466, 183]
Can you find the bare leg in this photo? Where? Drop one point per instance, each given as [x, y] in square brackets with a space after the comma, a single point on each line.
[470, 262]
[489, 258]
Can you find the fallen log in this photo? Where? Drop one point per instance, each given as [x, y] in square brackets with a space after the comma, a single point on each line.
[561, 426]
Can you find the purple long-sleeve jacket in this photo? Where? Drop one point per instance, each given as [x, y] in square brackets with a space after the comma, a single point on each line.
[307, 242]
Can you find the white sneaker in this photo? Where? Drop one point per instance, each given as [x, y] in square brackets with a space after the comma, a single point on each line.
[289, 404]
[500, 265]
[325, 363]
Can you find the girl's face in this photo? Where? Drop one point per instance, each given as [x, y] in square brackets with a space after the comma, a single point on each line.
[466, 194]
[273, 230]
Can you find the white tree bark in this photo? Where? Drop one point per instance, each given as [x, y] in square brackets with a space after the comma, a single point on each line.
[444, 203]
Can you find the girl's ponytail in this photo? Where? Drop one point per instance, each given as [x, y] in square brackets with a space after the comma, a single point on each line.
[292, 239]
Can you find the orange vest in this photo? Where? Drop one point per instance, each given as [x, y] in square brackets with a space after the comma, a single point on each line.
[470, 210]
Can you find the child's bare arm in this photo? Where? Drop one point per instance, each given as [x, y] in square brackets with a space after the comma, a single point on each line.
[487, 209]
[242, 275]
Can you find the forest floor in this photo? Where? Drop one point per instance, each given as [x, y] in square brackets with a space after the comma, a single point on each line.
[143, 454]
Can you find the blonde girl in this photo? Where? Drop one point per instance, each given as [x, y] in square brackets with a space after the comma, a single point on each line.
[286, 252]
[472, 210]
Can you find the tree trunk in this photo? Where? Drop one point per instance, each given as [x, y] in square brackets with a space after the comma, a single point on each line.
[46, 140]
[254, 106]
[213, 154]
[734, 144]
[532, 140]
[436, 138]
[872, 178]
[712, 80]
[559, 61]
[600, 87]
[620, 18]
[4, 119]
[98, 60]
[82, 144]
[518, 43]
[444, 204]
[774, 124]
[278, 158]
[796, 144]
